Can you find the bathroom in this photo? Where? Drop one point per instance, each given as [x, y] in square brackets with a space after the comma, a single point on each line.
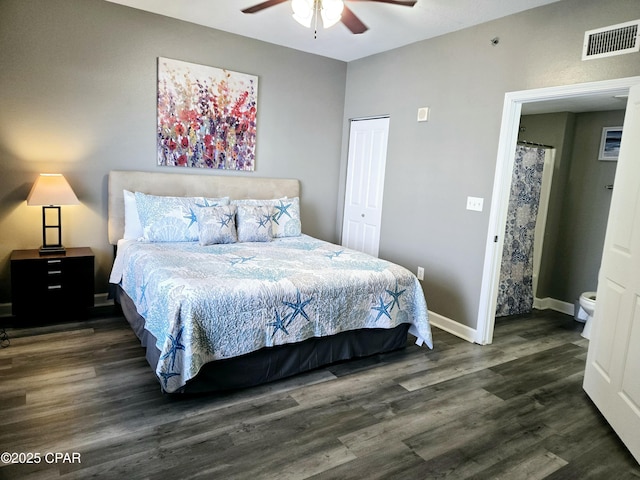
[578, 204]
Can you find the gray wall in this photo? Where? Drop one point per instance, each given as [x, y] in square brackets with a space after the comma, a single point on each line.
[556, 130]
[585, 209]
[432, 167]
[78, 96]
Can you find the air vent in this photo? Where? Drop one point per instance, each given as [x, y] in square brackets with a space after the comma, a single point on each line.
[613, 40]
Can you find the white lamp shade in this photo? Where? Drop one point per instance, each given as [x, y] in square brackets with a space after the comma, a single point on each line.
[51, 189]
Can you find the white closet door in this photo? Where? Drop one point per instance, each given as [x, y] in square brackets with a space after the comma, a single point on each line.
[365, 184]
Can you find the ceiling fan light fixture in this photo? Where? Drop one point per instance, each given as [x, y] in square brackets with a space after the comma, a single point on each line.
[303, 11]
[331, 12]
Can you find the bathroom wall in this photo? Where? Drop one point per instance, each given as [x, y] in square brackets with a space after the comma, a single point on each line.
[579, 204]
[585, 209]
[556, 130]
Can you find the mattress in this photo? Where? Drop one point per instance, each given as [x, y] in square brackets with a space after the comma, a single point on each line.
[217, 302]
[272, 363]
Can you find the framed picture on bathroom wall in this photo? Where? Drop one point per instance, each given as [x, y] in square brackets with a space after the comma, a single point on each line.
[610, 143]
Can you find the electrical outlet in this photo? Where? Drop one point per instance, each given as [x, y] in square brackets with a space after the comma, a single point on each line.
[475, 203]
[420, 273]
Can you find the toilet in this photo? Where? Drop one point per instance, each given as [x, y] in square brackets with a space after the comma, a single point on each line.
[585, 313]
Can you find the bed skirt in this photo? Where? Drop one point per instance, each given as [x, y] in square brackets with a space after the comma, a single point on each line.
[272, 363]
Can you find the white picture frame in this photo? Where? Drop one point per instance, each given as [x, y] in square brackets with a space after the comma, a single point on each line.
[610, 144]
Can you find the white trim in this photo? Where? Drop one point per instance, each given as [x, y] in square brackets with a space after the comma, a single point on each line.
[502, 181]
[555, 305]
[453, 327]
[5, 309]
[498, 217]
[373, 117]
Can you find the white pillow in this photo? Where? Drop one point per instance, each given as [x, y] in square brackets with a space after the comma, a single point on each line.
[286, 218]
[217, 224]
[172, 219]
[253, 223]
[286, 215]
[132, 225]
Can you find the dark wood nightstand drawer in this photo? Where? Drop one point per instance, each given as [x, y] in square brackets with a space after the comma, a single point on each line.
[51, 287]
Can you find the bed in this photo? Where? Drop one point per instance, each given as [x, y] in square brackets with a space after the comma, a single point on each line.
[219, 308]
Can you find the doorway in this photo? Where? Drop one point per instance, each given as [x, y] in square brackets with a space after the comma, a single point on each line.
[508, 138]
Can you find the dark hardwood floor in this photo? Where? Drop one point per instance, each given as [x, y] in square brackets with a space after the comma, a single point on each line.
[511, 410]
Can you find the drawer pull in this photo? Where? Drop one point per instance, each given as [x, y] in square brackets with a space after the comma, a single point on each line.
[54, 272]
[54, 261]
[54, 287]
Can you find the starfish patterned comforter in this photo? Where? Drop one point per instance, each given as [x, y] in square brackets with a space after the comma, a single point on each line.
[221, 301]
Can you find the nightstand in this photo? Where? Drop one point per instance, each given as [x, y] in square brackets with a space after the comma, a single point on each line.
[47, 288]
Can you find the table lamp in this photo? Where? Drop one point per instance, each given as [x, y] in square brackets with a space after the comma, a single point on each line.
[51, 190]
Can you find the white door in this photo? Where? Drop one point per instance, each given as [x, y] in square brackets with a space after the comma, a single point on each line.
[365, 183]
[612, 375]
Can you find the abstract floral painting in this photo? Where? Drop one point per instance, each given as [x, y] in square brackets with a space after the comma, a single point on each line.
[206, 116]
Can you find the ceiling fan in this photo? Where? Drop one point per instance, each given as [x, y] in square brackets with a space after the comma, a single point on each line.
[331, 11]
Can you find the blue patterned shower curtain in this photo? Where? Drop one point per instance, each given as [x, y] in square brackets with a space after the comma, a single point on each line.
[515, 293]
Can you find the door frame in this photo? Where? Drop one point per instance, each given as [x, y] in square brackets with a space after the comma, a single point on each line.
[509, 129]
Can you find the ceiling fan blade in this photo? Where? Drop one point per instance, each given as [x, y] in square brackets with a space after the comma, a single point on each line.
[404, 3]
[262, 6]
[352, 22]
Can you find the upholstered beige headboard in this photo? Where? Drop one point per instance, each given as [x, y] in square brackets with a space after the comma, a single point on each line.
[182, 184]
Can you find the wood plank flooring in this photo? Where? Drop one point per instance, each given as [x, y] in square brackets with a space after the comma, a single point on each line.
[512, 410]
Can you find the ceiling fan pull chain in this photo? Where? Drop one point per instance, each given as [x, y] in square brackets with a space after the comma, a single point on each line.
[316, 6]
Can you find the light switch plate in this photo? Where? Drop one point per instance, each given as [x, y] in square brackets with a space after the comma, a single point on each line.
[423, 114]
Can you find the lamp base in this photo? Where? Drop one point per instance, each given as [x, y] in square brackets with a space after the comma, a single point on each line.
[52, 250]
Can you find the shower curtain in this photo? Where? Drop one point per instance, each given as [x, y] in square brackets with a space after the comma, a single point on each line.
[515, 293]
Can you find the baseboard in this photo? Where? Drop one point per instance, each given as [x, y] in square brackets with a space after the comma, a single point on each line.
[99, 300]
[454, 328]
[555, 305]
[471, 335]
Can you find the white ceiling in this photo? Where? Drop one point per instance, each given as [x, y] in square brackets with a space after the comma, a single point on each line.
[596, 102]
[390, 26]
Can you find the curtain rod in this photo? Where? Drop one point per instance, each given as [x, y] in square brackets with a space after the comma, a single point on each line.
[535, 144]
